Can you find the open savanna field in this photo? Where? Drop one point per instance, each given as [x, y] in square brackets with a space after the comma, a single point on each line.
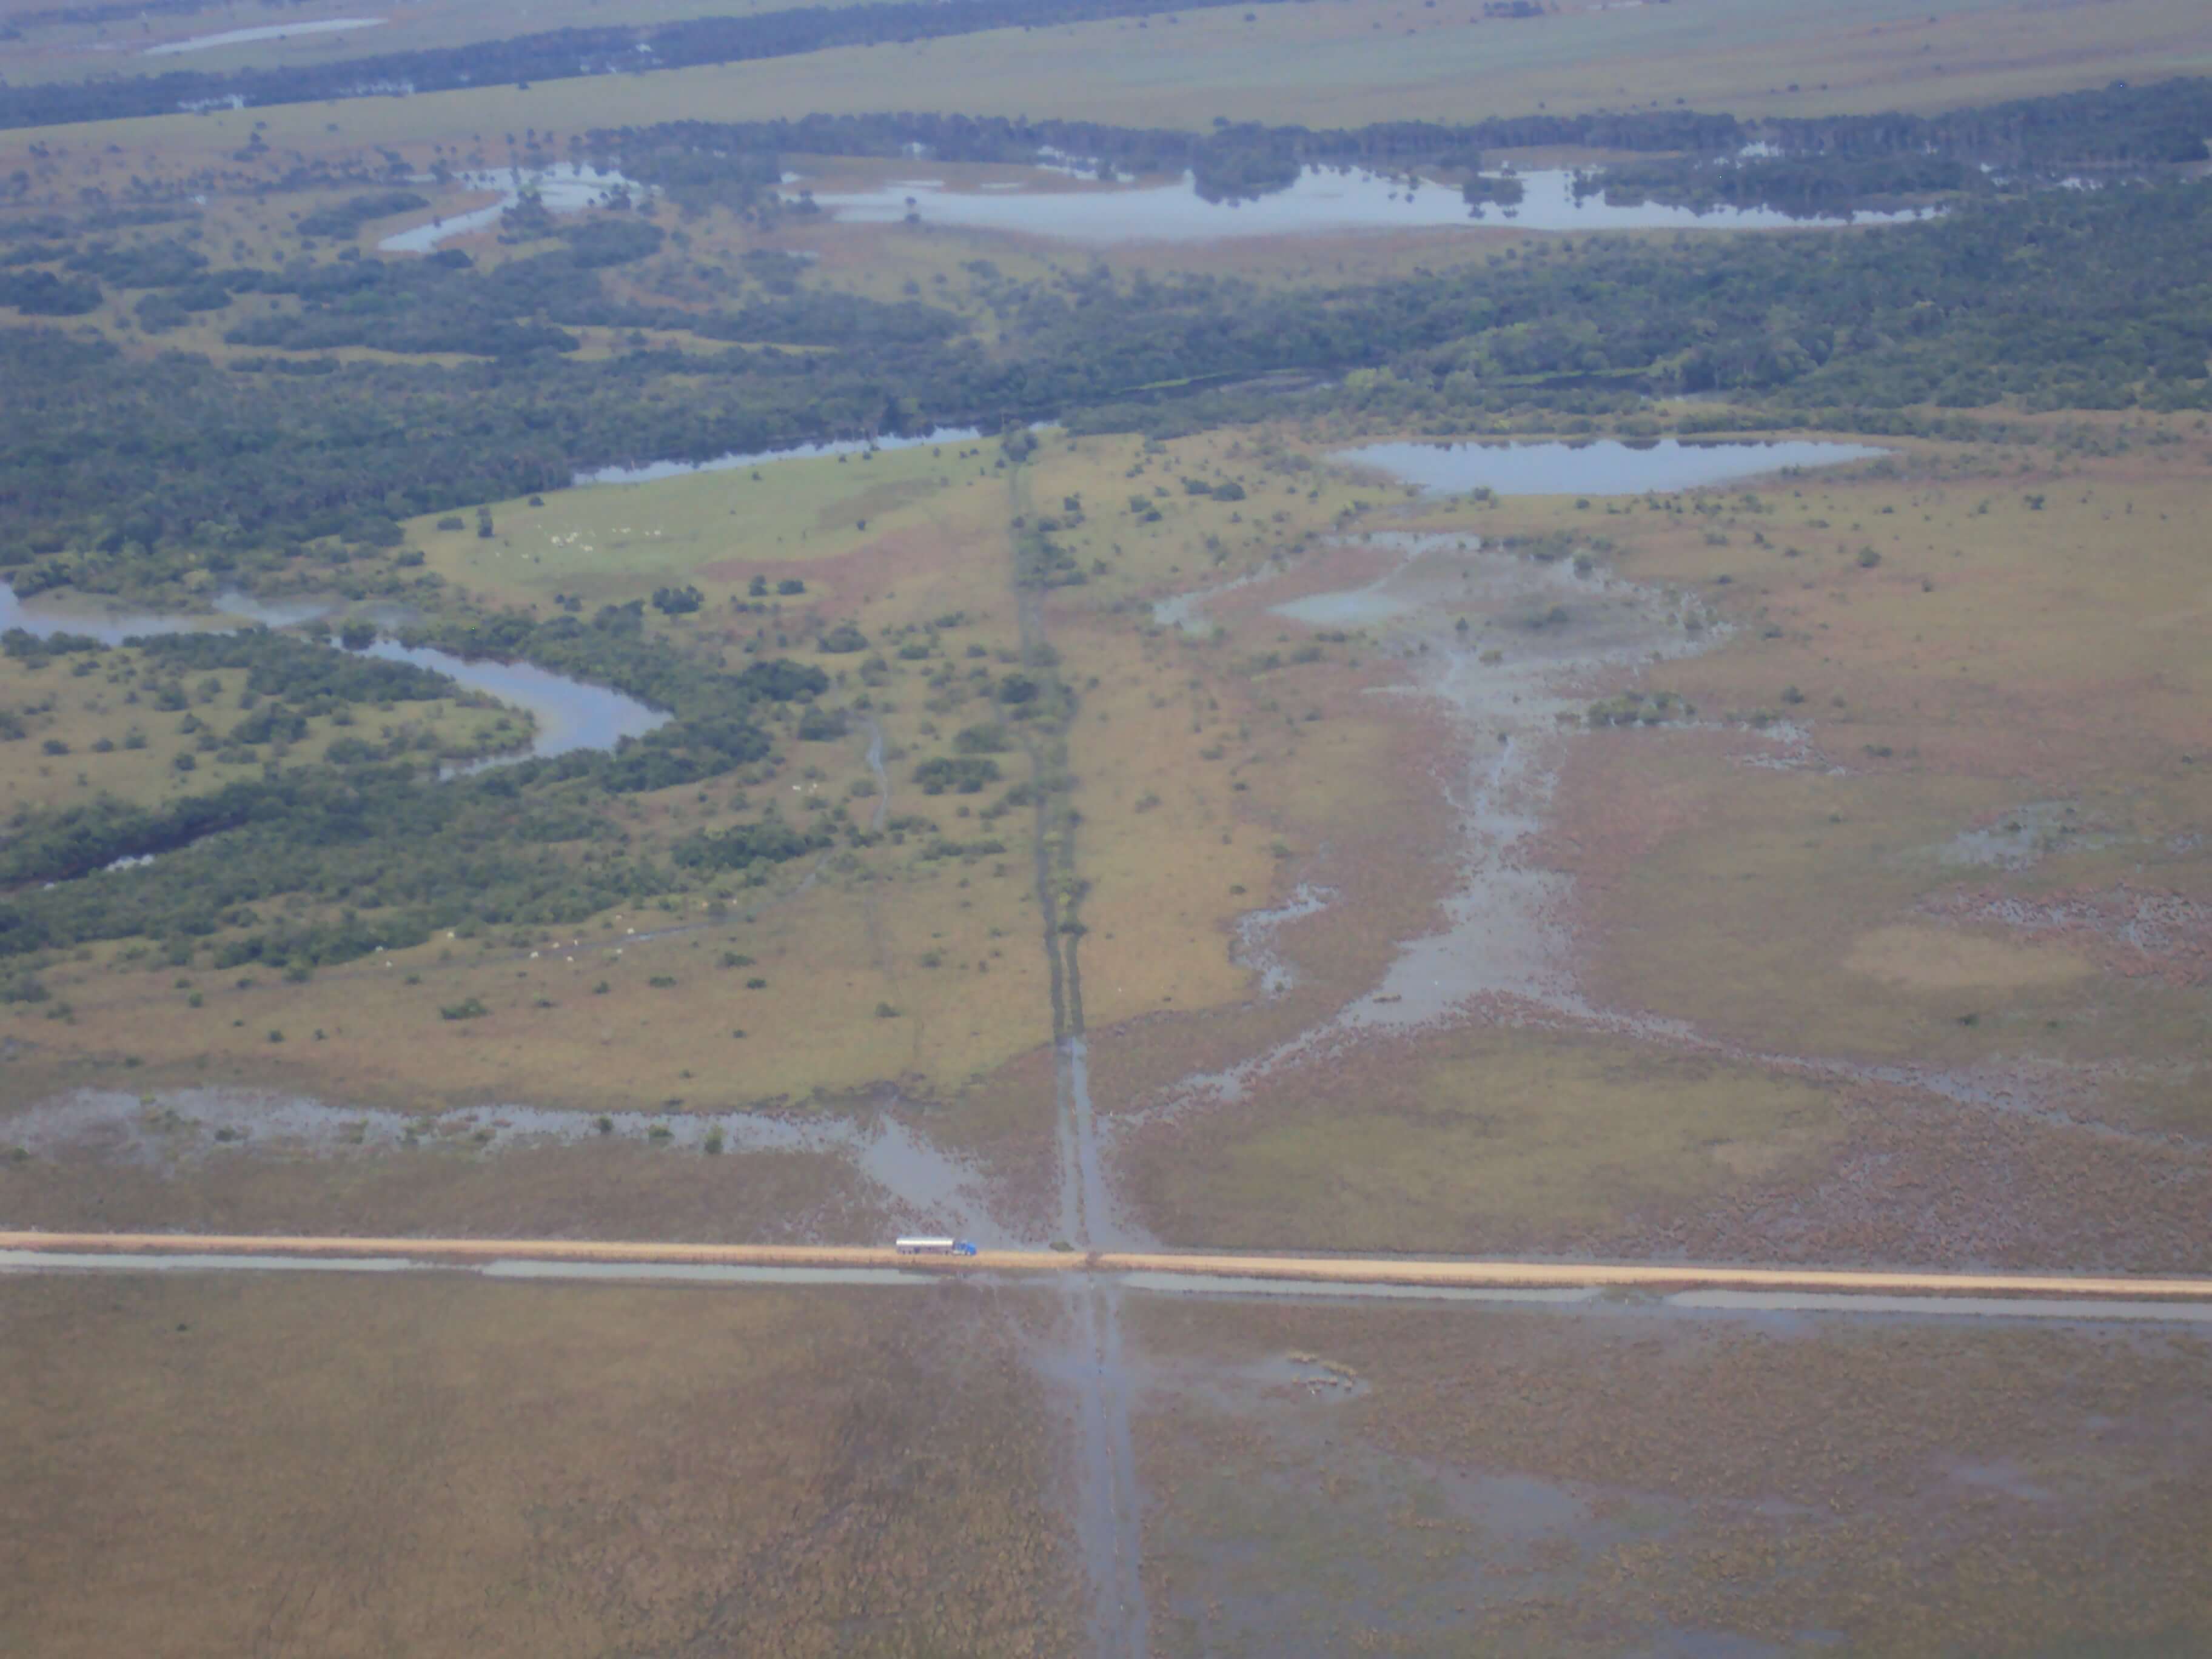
[207, 1467]
[915, 963]
[1918, 881]
[1331, 62]
[56, 47]
[998, 742]
[1922, 820]
[105, 727]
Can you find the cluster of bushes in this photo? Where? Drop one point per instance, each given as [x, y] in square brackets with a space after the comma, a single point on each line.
[747, 846]
[346, 217]
[1648, 708]
[43, 294]
[963, 774]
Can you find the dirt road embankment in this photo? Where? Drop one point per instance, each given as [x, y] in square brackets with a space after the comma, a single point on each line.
[474, 1251]
[212, 1248]
[1582, 1275]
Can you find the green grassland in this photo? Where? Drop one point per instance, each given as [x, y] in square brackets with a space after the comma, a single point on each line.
[1478, 1140]
[1344, 64]
[608, 543]
[63, 50]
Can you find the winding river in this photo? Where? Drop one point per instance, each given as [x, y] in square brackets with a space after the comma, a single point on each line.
[571, 714]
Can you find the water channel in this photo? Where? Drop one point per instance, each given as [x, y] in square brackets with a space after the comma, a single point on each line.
[570, 713]
[1604, 467]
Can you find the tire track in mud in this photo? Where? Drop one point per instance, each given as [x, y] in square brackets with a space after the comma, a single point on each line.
[870, 901]
[1110, 1513]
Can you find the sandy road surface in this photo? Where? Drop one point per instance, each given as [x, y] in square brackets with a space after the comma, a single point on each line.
[1554, 1275]
[1349, 1270]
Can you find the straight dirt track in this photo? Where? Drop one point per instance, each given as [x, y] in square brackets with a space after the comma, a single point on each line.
[1346, 1270]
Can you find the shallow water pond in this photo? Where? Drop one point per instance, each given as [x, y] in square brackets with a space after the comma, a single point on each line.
[1359, 607]
[1322, 199]
[1606, 467]
[650, 472]
[570, 188]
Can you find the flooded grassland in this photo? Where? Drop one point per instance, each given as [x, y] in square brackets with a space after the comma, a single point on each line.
[1660, 872]
[1720, 961]
[1625, 1479]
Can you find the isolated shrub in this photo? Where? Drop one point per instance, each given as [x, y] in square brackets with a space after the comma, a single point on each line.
[820, 724]
[22, 987]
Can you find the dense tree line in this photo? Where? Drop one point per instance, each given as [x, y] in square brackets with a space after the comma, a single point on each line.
[1837, 163]
[441, 303]
[1796, 165]
[2122, 124]
[401, 855]
[113, 470]
[1229, 161]
[302, 672]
